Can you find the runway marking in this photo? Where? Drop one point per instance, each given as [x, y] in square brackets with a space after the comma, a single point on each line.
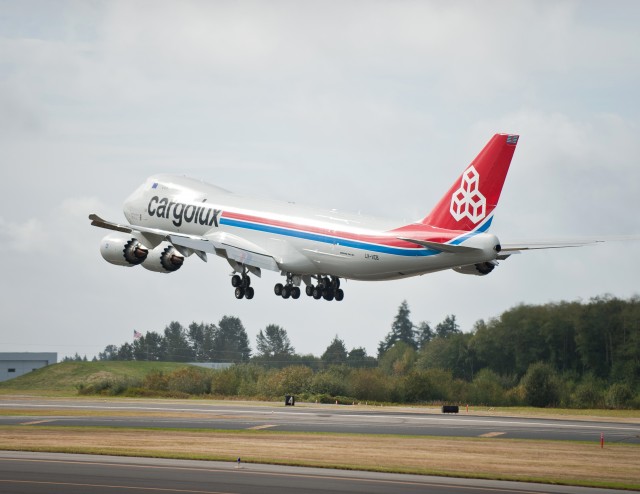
[106, 486]
[36, 422]
[267, 474]
[492, 434]
[260, 427]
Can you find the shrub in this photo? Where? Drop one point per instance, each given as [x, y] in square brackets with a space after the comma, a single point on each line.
[619, 395]
[292, 380]
[110, 386]
[370, 384]
[156, 380]
[589, 393]
[189, 380]
[328, 382]
[225, 382]
[486, 389]
[541, 385]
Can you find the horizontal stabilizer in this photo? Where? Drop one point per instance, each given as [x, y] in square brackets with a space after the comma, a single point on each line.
[517, 247]
[451, 249]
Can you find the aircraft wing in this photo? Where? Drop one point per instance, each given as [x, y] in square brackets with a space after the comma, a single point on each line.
[231, 247]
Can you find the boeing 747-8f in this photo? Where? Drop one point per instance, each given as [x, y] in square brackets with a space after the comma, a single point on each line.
[172, 217]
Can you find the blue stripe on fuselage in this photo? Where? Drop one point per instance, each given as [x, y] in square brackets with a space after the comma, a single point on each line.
[316, 237]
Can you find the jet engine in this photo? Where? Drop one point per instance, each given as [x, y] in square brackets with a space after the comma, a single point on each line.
[480, 269]
[164, 259]
[123, 251]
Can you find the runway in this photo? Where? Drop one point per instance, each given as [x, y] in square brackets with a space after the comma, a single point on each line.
[309, 418]
[51, 473]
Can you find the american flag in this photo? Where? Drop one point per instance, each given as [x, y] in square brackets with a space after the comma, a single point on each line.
[136, 335]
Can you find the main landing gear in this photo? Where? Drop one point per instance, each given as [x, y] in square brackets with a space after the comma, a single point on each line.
[289, 289]
[327, 288]
[242, 285]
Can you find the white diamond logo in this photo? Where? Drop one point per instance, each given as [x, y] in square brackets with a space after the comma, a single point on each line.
[467, 201]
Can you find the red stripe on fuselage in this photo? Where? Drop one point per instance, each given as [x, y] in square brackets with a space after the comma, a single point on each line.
[417, 231]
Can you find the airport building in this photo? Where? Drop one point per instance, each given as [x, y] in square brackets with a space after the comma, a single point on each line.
[14, 364]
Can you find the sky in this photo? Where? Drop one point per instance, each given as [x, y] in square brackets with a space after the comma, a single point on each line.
[372, 107]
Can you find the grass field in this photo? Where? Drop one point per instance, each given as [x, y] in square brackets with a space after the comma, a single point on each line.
[62, 379]
[615, 466]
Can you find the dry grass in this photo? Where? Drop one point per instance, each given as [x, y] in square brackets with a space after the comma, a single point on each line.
[549, 461]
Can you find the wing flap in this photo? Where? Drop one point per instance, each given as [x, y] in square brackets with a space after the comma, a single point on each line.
[242, 251]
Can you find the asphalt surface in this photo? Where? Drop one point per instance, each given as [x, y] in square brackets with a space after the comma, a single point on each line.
[313, 418]
[50, 473]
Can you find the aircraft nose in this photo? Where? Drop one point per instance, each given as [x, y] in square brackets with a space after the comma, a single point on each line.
[133, 206]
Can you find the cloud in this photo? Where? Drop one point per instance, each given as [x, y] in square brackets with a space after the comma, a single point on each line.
[23, 237]
[372, 107]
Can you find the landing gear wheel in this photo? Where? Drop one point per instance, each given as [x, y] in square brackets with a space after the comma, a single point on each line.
[249, 293]
[317, 293]
[309, 290]
[239, 292]
[328, 294]
[246, 282]
[286, 292]
[295, 293]
[339, 295]
[236, 281]
[278, 289]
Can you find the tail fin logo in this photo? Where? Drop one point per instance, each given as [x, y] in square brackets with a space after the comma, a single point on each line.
[467, 201]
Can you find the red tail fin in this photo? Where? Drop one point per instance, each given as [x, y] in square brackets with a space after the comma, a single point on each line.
[469, 203]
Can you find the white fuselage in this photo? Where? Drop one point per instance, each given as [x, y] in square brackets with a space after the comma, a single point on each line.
[302, 240]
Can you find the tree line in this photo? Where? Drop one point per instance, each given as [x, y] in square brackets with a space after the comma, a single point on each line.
[568, 353]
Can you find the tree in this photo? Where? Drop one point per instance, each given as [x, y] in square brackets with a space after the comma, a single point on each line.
[336, 353]
[401, 330]
[447, 327]
[452, 353]
[177, 346]
[125, 352]
[274, 343]
[358, 357]
[110, 353]
[399, 359]
[424, 334]
[150, 347]
[201, 337]
[231, 343]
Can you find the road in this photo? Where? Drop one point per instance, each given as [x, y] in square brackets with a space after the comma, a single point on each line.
[51, 473]
[311, 418]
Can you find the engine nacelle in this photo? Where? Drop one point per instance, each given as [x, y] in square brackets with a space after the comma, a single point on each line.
[122, 250]
[480, 269]
[164, 259]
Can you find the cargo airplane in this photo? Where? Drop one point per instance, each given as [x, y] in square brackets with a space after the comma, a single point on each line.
[173, 217]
